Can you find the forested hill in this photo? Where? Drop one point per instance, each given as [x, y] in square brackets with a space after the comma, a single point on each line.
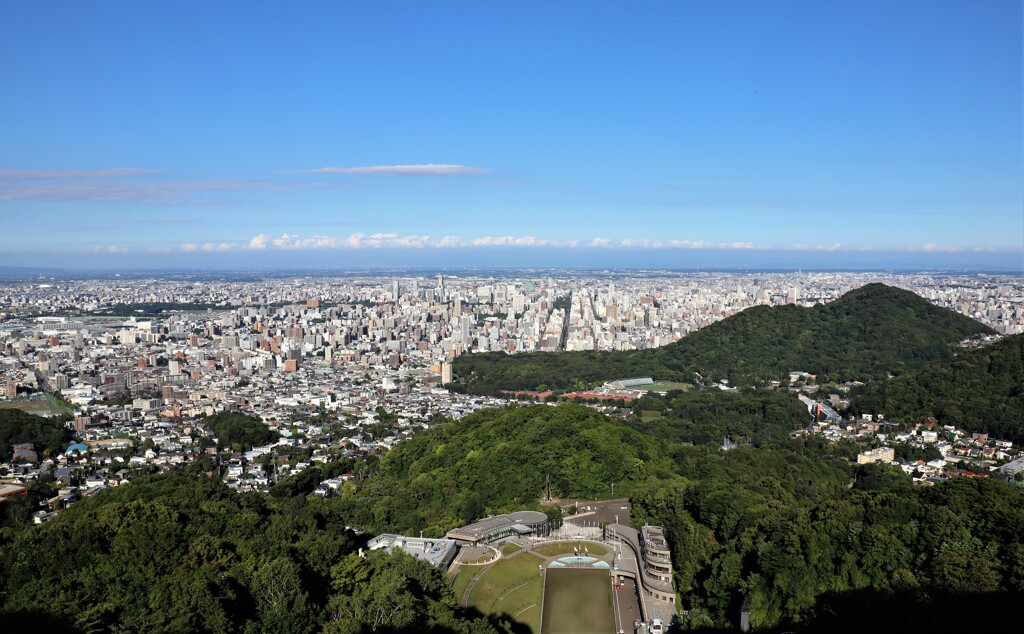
[180, 552]
[866, 334]
[47, 435]
[498, 460]
[980, 390]
[811, 541]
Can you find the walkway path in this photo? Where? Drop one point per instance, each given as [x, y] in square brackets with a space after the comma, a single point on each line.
[464, 600]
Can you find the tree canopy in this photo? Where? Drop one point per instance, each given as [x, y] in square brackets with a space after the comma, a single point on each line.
[239, 431]
[17, 426]
[499, 460]
[180, 552]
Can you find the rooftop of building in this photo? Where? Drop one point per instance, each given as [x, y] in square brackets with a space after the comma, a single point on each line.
[654, 536]
[435, 551]
[528, 517]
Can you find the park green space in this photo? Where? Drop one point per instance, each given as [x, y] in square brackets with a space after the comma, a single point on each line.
[511, 586]
[508, 549]
[566, 548]
[577, 600]
[462, 579]
[39, 408]
[649, 416]
[665, 386]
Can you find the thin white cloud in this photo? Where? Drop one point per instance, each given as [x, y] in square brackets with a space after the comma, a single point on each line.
[689, 244]
[424, 169]
[120, 191]
[449, 241]
[114, 172]
[361, 240]
[393, 240]
[643, 243]
[516, 241]
[209, 247]
[820, 247]
[931, 247]
[113, 248]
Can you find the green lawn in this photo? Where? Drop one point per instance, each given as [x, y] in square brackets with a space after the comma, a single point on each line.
[510, 587]
[565, 548]
[578, 600]
[665, 387]
[508, 549]
[38, 408]
[522, 602]
[462, 579]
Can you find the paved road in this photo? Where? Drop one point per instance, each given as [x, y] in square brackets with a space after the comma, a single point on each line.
[627, 604]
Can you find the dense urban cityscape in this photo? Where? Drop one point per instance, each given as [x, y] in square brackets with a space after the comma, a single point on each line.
[140, 362]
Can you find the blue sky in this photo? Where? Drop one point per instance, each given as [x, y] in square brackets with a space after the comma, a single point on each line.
[398, 133]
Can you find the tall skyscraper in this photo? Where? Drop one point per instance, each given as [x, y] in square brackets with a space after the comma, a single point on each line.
[394, 290]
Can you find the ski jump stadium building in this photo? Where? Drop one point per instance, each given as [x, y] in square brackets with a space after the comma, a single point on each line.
[496, 527]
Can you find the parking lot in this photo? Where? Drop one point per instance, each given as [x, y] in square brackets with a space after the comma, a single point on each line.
[596, 513]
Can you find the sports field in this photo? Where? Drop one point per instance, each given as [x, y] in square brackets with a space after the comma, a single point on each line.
[39, 408]
[667, 386]
[577, 601]
[512, 587]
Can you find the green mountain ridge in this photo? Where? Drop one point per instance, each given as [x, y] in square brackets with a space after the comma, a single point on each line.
[979, 390]
[865, 335]
[499, 460]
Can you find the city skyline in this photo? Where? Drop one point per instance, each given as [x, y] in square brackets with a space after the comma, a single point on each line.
[671, 136]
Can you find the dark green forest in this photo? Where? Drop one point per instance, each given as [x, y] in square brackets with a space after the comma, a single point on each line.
[866, 334]
[756, 523]
[789, 523]
[980, 390]
[181, 552]
[758, 417]
[498, 460]
[238, 431]
[16, 426]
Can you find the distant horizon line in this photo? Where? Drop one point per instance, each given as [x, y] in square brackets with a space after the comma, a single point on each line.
[382, 269]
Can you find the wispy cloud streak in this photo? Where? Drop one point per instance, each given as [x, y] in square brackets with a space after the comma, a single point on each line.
[379, 240]
[114, 172]
[166, 192]
[425, 169]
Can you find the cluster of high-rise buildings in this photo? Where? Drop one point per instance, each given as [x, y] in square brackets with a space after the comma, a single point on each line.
[236, 340]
